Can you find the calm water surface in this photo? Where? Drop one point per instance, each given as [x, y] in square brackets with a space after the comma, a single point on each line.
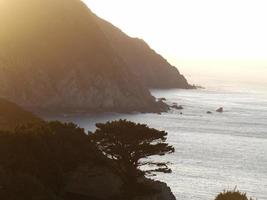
[213, 152]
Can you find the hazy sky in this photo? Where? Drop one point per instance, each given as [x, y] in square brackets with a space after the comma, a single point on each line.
[215, 34]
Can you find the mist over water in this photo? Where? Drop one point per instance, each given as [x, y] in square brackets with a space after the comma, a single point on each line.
[213, 152]
[226, 74]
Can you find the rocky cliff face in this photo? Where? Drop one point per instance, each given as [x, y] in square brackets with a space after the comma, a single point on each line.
[151, 68]
[56, 55]
[53, 55]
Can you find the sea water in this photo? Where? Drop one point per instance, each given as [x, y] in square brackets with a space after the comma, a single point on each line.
[213, 151]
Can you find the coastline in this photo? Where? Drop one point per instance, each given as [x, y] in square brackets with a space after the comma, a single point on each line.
[196, 133]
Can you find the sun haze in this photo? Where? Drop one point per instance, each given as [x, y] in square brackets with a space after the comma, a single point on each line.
[193, 33]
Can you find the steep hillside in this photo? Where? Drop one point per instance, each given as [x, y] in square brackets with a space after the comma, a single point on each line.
[12, 115]
[151, 68]
[54, 56]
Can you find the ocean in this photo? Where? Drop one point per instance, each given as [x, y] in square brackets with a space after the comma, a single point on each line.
[213, 151]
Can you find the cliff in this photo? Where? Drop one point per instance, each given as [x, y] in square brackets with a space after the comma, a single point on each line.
[152, 69]
[54, 56]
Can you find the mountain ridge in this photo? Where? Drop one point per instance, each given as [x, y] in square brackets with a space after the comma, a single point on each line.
[152, 69]
[54, 56]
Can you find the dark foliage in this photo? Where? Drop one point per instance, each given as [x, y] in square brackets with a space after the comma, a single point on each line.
[232, 195]
[128, 143]
[40, 155]
[16, 186]
[12, 115]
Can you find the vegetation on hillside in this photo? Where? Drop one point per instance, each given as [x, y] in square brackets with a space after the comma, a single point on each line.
[12, 115]
[38, 157]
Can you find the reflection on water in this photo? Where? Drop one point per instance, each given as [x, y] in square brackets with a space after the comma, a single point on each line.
[213, 151]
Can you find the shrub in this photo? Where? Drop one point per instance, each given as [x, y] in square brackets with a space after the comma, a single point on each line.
[232, 195]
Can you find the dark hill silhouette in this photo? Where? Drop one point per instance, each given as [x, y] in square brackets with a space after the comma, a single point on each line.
[54, 56]
[12, 115]
[151, 68]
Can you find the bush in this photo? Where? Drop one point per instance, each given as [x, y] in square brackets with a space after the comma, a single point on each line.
[42, 155]
[232, 195]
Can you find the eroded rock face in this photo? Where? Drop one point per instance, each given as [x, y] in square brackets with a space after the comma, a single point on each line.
[75, 91]
[54, 56]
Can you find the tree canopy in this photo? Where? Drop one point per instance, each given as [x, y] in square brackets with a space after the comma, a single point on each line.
[37, 157]
[129, 143]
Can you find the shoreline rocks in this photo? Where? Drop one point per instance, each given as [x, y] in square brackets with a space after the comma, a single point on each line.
[177, 107]
[220, 110]
[162, 99]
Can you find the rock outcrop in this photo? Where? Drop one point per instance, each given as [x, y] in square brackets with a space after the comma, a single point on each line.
[175, 106]
[220, 110]
[55, 55]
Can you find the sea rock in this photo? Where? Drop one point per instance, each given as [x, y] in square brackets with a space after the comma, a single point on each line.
[175, 106]
[198, 87]
[220, 110]
[209, 112]
[162, 99]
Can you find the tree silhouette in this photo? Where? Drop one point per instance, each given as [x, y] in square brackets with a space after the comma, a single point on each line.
[128, 143]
